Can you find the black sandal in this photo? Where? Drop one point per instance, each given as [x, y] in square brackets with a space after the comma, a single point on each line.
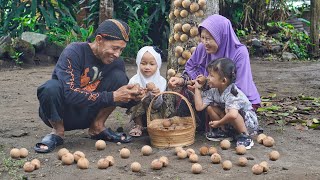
[109, 135]
[51, 141]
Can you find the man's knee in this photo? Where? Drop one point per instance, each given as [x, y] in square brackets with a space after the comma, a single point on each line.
[50, 88]
[115, 79]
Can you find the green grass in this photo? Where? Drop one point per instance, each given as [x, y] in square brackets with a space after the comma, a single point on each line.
[9, 166]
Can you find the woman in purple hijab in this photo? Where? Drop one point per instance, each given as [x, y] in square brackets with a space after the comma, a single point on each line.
[218, 40]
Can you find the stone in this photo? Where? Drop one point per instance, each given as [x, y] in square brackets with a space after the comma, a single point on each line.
[38, 40]
[287, 56]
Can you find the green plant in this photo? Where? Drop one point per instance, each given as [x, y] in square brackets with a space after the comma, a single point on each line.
[241, 32]
[119, 118]
[17, 16]
[16, 57]
[147, 19]
[139, 27]
[10, 166]
[296, 41]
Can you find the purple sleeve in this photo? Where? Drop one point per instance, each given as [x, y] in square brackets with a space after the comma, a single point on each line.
[244, 80]
[68, 70]
[194, 65]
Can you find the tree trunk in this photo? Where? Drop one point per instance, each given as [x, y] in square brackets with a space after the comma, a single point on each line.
[182, 40]
[175, 60]
[314, 29]
[106, 10]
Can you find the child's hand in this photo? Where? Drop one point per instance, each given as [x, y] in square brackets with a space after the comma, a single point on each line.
[214, 124]
[197, 85]
[155, 91]
[141, 95]
[192, 87]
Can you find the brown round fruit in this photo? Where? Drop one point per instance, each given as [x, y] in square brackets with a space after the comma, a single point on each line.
[171, 16]
[101, 145]
[196, 168]
[178, 50]
[177, 149]
[83, 163]
[274, 155]
[215, 158]
[23, 152]
[225, 144]
[111, 160]
[186, 3]
[202, 3]
[177, 3]
[156, 164]
[194, 7]
[135, 167]
[268, 141]
[176, 12]
[164, 160]
[103, 163]
[146, 150]
[186, 54]
[166, 123]
[190, 151]
[15, 153]
[212, 150]
[199, 13]
[193, 158]
[186, 28]
[150, 86]
[77, 155]
[67, 159]
[265, 166]
[124, 153]
[36, 163]
[177, 27]
[171, 72]
[257, 169]
[227, 165]
[182, 154]
[62, 152]
[181, 61]
[28, 167]
[193, 49]
[194, 31]
[184, 37]
[204, 150]
[243, 161]
[184, 13]
[176, 36]
[260, 138]
[241, 149]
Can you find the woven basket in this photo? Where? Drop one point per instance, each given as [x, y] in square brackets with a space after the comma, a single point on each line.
[181, 135]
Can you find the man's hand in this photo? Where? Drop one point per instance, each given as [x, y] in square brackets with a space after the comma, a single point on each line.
[127, 93]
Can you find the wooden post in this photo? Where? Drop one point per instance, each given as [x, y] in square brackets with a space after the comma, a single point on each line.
[314, 29]
[106, 10]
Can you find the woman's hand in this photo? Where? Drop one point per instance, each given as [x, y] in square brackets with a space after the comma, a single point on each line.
[175, 81]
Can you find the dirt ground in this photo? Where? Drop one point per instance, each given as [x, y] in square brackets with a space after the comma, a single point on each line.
[20, 127]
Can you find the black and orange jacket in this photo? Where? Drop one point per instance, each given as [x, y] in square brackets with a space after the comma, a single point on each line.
[80, 73]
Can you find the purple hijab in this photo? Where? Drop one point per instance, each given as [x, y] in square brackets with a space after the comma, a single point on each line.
[229, 46]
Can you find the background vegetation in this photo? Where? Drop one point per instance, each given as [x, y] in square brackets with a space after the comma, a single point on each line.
[147, 19]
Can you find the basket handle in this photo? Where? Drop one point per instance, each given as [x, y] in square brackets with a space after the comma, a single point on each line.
[170, 92]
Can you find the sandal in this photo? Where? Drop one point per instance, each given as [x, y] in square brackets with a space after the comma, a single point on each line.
[51, 141]
[109, 135]
[136, 131]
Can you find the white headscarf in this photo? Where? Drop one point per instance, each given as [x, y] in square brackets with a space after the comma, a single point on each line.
[156, 78]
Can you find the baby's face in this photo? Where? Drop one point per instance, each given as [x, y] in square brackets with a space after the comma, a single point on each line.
[148, 65]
